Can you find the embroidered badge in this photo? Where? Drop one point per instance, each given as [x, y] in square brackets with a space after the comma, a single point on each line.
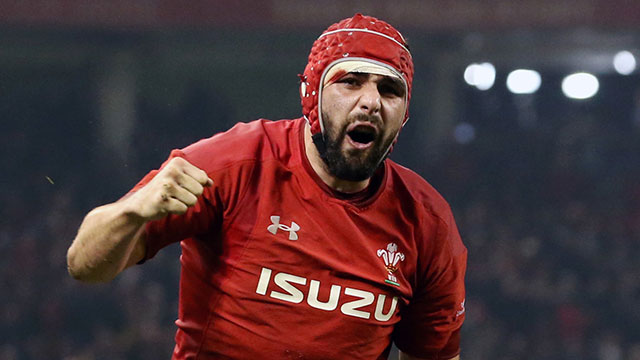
[391, 258]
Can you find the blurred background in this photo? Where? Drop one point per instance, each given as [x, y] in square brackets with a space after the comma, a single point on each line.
[525, 115]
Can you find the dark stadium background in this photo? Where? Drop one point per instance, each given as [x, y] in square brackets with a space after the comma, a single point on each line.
[546, 190]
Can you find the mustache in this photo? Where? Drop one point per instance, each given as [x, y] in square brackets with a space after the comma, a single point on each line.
[373, 119]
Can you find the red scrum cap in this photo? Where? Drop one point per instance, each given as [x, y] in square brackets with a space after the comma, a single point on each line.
[362, 41]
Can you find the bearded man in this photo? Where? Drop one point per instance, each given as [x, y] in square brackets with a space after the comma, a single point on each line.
[300, 239]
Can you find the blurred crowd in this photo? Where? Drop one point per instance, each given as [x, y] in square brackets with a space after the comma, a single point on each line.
[549, 208]
[550, 213]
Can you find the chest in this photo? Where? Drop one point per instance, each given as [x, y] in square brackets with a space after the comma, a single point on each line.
[302, 248]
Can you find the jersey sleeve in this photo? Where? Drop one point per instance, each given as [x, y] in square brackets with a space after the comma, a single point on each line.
[430, 325]
[229, 159]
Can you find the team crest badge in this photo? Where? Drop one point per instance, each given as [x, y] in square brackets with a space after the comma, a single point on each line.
[391, 258]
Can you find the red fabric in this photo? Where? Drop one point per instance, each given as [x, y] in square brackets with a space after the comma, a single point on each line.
[260, 171]
[344, 45]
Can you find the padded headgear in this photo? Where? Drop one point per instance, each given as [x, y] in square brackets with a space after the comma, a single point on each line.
[362, 38]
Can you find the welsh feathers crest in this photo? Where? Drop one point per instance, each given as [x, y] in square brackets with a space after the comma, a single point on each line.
[391, 258]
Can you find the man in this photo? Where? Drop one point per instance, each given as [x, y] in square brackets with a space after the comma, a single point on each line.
[299, 240]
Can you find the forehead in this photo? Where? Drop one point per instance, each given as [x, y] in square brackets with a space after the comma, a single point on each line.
[375, 77]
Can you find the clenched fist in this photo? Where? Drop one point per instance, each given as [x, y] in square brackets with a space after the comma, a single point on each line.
[173, 190]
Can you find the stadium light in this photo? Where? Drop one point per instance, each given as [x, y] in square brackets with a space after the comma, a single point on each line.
[523, 81]
[482, 76]
[580, 86]
[624, 62]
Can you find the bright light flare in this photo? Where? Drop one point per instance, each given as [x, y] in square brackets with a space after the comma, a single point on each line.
[624, 62]
[482, 76]
[523, 81]
[580, 86]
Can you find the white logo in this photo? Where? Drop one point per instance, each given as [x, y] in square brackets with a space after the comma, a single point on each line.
[391, 257]
[295, 289]
[275, 225]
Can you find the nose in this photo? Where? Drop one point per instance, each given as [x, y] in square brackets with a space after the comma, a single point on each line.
[370, 101]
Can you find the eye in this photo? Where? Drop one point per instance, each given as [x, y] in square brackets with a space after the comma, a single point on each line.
[391, 88]
[386, 89]
[349, 80]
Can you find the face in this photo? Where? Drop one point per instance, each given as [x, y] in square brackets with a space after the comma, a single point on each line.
[362, 114]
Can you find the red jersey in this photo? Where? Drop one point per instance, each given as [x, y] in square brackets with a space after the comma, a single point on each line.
[276, 266]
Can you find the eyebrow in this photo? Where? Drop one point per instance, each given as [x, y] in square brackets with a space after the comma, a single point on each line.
[395, 82]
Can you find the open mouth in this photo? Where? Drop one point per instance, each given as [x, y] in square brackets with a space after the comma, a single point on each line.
[362, 135]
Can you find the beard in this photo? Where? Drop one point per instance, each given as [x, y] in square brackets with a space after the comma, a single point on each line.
[353, 164]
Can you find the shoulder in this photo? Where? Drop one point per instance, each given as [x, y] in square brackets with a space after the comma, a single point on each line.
[409, 186]
[257, 140]
[427, 206]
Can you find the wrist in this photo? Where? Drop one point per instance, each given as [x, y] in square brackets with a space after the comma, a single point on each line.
[132, 211]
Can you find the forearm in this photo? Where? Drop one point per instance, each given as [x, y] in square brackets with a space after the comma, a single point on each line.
[105, 242]
[111, 236]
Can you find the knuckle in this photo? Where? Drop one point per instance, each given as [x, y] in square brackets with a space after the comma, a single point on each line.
[178, 160]
[174, 172]
[167, 172]
[169, 190]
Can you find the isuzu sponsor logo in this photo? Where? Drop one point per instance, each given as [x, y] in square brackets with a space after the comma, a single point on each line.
[290, 293]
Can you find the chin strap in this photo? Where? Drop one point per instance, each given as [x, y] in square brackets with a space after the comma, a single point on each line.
[318, 141]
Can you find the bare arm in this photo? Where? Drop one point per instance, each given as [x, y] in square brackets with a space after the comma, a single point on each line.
[111, 237]
[404, 356]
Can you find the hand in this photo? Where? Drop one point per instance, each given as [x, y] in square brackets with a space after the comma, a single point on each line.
[173, 190]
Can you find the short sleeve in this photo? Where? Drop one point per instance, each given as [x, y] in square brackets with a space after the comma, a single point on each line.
[198, 219]
[430, 325]
[229, 159]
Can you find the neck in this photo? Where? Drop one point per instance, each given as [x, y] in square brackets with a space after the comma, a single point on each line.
[320, 168]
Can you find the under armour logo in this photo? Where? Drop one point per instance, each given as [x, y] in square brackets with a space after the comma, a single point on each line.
[275, 225]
